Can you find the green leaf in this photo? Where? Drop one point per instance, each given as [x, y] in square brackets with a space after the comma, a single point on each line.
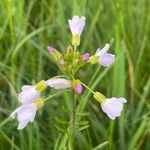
[60, 129]
[82, 122]
[83, 128]
[61, 121]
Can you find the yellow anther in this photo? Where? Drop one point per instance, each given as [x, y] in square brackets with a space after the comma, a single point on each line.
[76, 40]
[99, 97]
[93, 59]
[41, 86]
[39, 103]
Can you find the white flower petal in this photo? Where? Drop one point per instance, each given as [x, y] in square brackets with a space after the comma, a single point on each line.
[99, 51]
[123, 99]
[24, 87]
[77, 25]
[113, 107]
[25, 114]
[58, 83]
[106, 59]
[28, 95]
[12, 115]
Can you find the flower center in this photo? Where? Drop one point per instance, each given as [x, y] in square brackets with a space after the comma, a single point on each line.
[39, 103]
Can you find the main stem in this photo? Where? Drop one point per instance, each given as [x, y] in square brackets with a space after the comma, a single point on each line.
[72, 122]
[72, 127]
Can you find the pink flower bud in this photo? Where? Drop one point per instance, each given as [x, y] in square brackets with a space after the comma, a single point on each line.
[78, 88]
[85, 56]
[50, 49]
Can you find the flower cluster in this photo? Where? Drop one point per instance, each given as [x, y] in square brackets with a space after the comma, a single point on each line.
[69, 64]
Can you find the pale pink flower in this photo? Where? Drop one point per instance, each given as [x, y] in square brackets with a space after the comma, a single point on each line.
[113, 106]
[77, 25]
[105, 58]
[25, 114]
[58, 83]
[28, 94]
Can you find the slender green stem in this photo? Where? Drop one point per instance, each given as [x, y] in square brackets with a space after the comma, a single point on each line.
[72, 128]
[75, 48]
[72, 122]
[51, 96]
[87, 87]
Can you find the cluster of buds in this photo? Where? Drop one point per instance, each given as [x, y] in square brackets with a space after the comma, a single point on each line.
[69, 63]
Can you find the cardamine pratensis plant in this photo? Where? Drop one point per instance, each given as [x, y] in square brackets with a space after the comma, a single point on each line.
[69, 64]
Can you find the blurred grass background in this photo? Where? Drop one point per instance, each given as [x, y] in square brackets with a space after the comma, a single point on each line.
[28, 26]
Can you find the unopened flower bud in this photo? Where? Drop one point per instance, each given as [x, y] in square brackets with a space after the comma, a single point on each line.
[77, 86]
[85, 56]
[51, 49]
[56, 55]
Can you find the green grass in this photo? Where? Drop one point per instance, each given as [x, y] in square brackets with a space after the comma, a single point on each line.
[27, 27]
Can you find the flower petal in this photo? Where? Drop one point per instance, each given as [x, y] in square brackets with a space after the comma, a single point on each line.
[77, 25]
[99, 51]
[123, 99]
[106, 59]
[25, 114]
[24, 87]
[58, 83]
[28, 95]
[113, 107]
